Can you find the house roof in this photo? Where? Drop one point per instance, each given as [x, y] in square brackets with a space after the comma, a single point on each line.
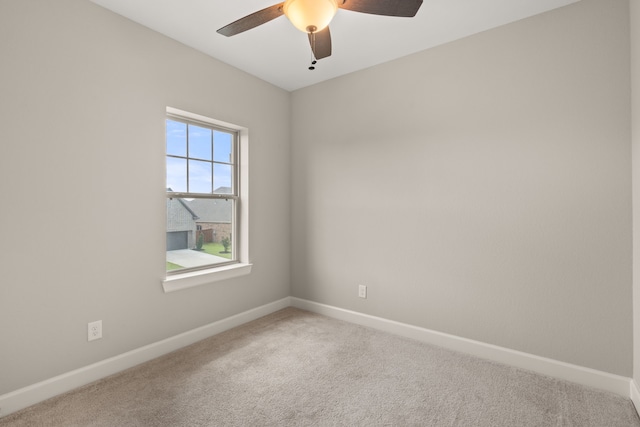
[186, 206]
[211, 210]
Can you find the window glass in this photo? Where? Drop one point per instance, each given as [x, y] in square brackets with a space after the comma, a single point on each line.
[176, 138]
[201, 166]
[222, 146]
[199, 142]
[199, 176]
[176, 174]
[213, 243]
[222, 178]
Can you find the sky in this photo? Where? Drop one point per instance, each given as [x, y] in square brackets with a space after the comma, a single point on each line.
[204, 158]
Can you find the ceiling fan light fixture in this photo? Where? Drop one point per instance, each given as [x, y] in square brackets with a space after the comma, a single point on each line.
[310, 16]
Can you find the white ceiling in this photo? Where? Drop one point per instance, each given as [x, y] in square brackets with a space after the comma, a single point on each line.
[280, 54]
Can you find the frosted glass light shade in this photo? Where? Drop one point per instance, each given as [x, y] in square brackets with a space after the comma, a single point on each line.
[310, 15]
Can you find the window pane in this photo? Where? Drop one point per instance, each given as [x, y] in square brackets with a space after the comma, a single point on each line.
[199, 232]
[222, 179]
[199, 142]
[176, 138]
[176, 174]
[199, 176]
[200, 159]
[222, 146]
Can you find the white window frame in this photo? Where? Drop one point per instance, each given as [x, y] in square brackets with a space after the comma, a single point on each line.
[241, 266]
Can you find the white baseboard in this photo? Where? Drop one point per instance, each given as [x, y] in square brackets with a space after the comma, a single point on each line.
[30, 395]
[553, 368]
[635, 396]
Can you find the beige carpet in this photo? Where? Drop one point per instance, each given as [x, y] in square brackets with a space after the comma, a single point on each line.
[295, 368]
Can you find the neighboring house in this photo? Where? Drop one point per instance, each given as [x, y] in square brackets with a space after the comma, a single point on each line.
[214, 217]
[187, 218]
[181, 225]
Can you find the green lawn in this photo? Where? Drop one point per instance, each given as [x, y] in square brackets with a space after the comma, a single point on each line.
[172, 266]
[216, 249]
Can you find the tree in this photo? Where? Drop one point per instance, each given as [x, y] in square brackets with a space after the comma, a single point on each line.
[200, 241]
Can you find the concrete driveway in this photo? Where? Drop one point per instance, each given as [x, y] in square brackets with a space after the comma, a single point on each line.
[189, 258]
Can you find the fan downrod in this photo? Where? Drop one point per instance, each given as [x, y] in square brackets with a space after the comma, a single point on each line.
[311, 29]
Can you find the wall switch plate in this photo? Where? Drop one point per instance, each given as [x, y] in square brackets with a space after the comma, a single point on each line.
[362, 291]
[95, 330]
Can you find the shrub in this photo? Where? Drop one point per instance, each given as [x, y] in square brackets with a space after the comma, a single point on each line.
[226, 242]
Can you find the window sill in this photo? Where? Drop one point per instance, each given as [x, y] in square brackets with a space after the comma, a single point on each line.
[202, 277]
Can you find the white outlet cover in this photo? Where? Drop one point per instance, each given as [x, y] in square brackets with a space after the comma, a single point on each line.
[94, 330]
[362, 291]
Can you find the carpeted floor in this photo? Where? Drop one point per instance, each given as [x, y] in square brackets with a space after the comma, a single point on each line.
[294, 368]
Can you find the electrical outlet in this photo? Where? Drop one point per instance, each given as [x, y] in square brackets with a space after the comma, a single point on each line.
[362, 291]
[95, 330]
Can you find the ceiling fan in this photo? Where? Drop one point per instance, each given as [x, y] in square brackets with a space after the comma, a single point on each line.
[313, 17]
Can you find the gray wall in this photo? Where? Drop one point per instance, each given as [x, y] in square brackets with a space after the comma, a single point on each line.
[481, 188]
[83, 94]
[635, 120]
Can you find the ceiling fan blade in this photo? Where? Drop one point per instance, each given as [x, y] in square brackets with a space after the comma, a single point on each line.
[402, 8]
[321, 43]
[251, 21]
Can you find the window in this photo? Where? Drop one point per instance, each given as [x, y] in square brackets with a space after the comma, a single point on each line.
[203, 196]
